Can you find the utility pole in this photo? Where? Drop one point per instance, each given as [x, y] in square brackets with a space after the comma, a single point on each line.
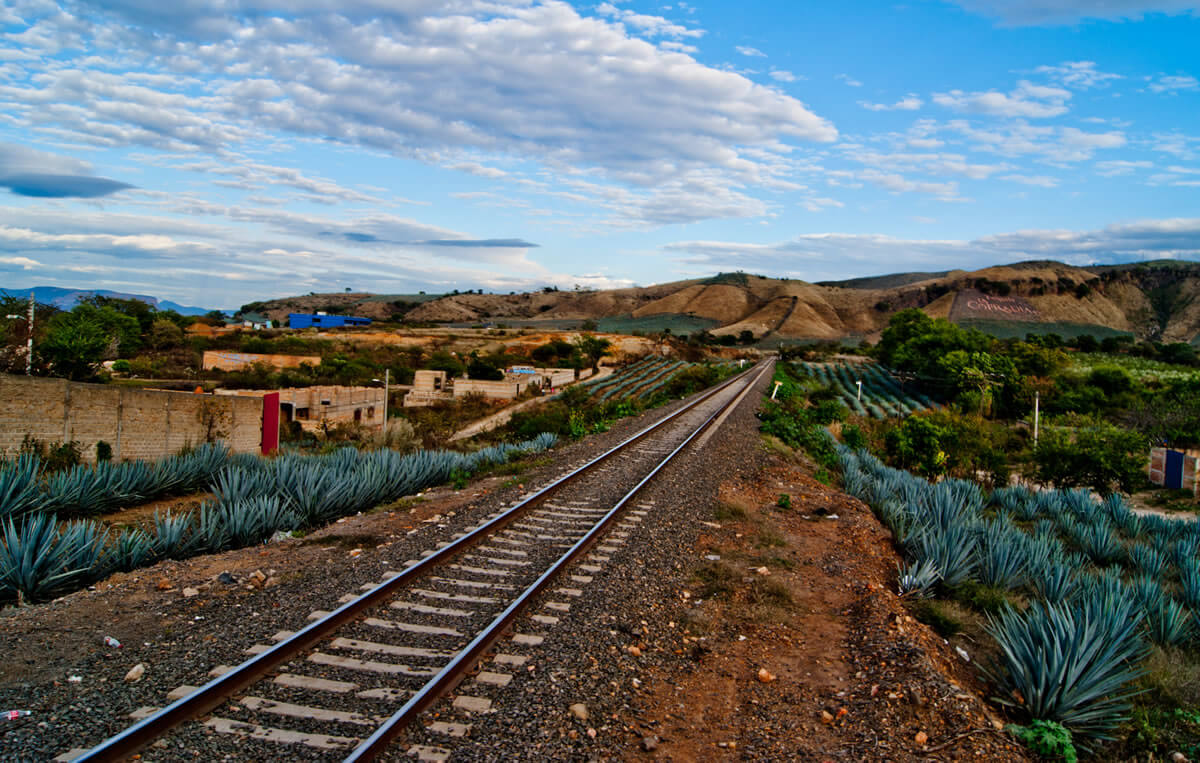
[29, 342]
[1037, 399]
[387, 380]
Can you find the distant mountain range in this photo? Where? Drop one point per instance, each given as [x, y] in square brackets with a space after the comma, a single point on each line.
[1157, 300]
[65, 299]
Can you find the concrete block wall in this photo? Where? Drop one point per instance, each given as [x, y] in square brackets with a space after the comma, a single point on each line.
[138, 424]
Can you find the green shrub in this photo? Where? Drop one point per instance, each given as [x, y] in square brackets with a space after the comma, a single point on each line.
[1047, 739]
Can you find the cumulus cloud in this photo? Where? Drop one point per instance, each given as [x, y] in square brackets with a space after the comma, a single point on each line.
[782, 75]
[1027, 100]
[746, 50]
[421, 80]
[650, 25]
[831, 256]
[1056, 12]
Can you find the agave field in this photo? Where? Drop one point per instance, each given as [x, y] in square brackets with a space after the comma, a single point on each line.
[1102, 583]
[882, 396]
[85, 490]
[41, 557]
[638, 381]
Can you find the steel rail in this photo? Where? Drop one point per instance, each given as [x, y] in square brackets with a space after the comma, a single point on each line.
[453, 671]
[216, 691]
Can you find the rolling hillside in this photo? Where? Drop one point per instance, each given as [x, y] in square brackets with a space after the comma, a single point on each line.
[1156, 300]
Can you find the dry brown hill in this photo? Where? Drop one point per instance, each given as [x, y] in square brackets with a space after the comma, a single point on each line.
[1155, 300]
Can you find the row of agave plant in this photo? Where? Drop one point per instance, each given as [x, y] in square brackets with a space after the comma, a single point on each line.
[1102, 583]
[255, 498]
[87, 490]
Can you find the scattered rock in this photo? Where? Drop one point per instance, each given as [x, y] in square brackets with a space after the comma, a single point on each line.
[921, 738]
[163, 584]
[765, 675]
[650, 744]
[1178, 757]
[591, 733]
[580, 711]
[135, 673]
[763, 571]
[270, 582]
[257, 578]
[635, 651]
[189, 592]
[962, 653]
[826, 717]
[355, 553]
[226, 578]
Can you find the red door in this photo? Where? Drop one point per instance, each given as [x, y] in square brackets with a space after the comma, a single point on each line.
[270, 423]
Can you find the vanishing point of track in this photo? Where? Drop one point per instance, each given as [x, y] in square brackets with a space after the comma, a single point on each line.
[489, 575]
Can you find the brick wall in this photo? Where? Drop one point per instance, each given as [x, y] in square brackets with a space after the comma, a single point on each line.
[138, 424]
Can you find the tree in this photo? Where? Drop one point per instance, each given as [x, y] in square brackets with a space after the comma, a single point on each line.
[593, 348]
[164, 334]
[1097, 455]
[142, 312]
[916, 444]
[746, 336]
[74, 345]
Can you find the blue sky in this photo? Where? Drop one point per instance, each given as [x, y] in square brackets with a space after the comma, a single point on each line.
[215, 152]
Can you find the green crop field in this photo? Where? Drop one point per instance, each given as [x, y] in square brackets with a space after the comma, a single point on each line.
[677, 323]
[1138, 368]
[883, 396]
[1019, 329]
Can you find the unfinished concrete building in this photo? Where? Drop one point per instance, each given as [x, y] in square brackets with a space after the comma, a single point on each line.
[314, 407]
[430, 387]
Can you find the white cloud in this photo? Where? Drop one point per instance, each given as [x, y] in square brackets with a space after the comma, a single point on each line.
[1027, 100]
[908, 103]
[830, 256]
[1078, 74]
[21, 262]
[820, 203]
[782, 75]
[650, 25]
[1057, 145]
[1055, 12]
[528, 80]
[1115, 167]
[475, 168]
[746, 50]
[1174, 83]
[848, 80]
[1043, 181]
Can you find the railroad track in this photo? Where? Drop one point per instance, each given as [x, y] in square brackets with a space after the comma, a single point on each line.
[332, 689]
